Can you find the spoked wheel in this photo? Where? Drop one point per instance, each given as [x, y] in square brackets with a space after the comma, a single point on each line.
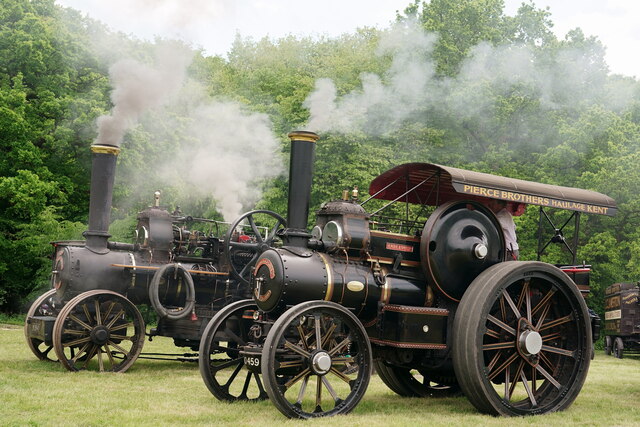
[42, 306]
[522, 340]
[416, 382]
[98, 330]
[316, 361]
[607, 345]
[242, 254]
[618, 348]
[221, 365]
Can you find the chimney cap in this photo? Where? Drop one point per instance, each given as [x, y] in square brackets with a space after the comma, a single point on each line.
[303, 135]
[105, 149]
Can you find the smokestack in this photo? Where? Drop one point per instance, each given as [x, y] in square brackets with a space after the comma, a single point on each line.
[303, 146]
[103, 172]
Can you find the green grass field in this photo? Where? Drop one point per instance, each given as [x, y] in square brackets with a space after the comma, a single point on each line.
[172, 393]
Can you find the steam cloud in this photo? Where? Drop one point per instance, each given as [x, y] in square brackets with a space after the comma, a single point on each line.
[215, 149]
[409, 88]
[138, 87]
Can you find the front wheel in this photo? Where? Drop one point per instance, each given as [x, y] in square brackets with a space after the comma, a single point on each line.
[222, 367]
[409, 382]
[607, 345]
[522, 340]
[316, 361]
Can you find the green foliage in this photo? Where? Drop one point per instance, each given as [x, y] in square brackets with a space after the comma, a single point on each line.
[567, 122]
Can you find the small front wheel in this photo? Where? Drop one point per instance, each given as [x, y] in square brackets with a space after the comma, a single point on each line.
[607, 345]
[316, 361]
[222, 367]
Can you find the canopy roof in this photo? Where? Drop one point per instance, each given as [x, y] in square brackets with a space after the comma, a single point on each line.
[431, 184]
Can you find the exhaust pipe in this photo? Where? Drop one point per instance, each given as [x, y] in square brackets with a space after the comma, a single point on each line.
[103, 172]
[303, 147]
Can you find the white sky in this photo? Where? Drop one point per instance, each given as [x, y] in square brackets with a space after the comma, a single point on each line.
[213, 24]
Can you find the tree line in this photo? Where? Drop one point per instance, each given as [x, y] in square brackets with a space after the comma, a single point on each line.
[490, 92]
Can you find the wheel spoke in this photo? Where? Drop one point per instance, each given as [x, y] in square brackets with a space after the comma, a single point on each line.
[98, 314]
[298, 377]
[106, 315]
[504, 366]
[514, 383]
[318, 394]
[75, 358]
[553, 336]
[76, 342]
[543, 315]
[528, 389]
[90, 355]
[494, 361]
[100, 362]
[560, 351]
[548, 377]
[493, 334]
[123, 326]
[340, 375]
[543, 301]
[117, 347]
[231, 334]
[249, 265]
[318, 333]
[557, 322]
[303, 337]
[303, 388]
[501, 324]
[110, 356]
[233, 375]
[245, 387]
[115, 319]
[85, 309]
[225, 364]
[291, 364]
[511, 304]
[345, 342]
[255, 229]
[499, 346]
[328, 336]
[297, 349]
[80, 322]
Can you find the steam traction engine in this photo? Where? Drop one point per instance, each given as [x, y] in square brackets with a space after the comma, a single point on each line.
[178, 265]
[430, 304]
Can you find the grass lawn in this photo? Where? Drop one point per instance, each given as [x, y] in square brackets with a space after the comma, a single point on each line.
[172, 393]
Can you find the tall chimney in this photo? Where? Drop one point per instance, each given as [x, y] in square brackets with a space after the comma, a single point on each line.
[103, 172]
[303, 146]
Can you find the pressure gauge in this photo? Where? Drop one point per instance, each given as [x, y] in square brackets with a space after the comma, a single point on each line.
[316, 233]
[332, 235]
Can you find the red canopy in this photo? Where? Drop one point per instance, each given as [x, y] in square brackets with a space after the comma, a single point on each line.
[431, 184]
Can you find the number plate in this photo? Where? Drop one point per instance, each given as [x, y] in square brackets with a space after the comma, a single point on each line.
[253, 362]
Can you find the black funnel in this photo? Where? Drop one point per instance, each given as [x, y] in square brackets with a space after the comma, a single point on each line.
[103, 172]
[303, 147]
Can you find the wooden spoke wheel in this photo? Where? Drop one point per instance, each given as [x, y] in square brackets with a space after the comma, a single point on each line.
[416, 382]
[42, 306]
[222, 367]
[316, 361]
[98, 330]
[522, 340]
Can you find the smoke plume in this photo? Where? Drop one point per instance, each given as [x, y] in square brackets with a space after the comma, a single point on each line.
[410, 90]
[139, 87]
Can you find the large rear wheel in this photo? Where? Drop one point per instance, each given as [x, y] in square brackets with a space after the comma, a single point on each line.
[316, 361]
[522, 340]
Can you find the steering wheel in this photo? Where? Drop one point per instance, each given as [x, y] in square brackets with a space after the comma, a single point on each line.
[254, 248]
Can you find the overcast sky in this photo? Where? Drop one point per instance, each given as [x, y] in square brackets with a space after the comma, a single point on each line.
[212, 24]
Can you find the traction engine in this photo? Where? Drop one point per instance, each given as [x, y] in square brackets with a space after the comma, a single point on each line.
[430, 303]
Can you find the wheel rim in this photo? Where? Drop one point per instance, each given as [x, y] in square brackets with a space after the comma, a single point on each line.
[221, 363]
[42, 306]
[98, 330]
[316, 361]
[409, 382]
[533, 344]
